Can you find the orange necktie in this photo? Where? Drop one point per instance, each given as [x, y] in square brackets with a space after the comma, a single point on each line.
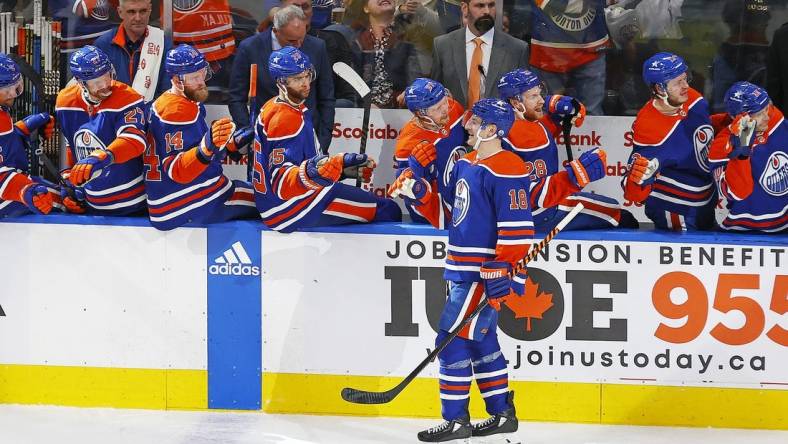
[474, 78]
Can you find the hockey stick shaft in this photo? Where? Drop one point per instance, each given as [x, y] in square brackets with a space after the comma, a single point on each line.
[344, 71]
[364, 397]
[566, 129]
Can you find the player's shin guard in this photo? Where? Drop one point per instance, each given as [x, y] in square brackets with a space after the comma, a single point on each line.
[493, 381]
[455, 378]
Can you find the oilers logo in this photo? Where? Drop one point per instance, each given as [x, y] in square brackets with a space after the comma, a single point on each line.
[701, 141]
[774, 179]
[456, 154]
[85, 142]
[462, 201]
[187, 5]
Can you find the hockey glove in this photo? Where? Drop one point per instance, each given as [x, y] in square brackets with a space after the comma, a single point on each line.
[322, 170]
[37, 198]
[90, 167]
[360, 171]
[239, 142]
[216, 139]
[36, 121]
[566, 106]
[590, 166]
[500, 281]
[422, 160]
[410, 188]
[643, 171]
[742, 130]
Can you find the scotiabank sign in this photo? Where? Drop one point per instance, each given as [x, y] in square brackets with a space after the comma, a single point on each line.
[593, 311]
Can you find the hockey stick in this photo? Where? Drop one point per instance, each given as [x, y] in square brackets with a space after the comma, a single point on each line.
[347, 74]
[363, 397]
[566, 127]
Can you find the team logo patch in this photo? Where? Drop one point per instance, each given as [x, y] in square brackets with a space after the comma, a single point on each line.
[187, 5]
[462, 201]
[456, 154]
[86, 142]
[774, 179]
[701, 141]
[101, 10]
[575, 21]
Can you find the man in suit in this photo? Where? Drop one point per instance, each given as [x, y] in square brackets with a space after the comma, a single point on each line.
[469, 60]
[289, 29]
[777, 69]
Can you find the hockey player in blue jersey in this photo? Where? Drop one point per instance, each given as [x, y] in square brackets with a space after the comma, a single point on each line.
[490, 230]
[669, 166]
[434, 135]
[104, 126]
[183, 161]
[19, 193]
[750, 163]
[295, 187]
[533, 138]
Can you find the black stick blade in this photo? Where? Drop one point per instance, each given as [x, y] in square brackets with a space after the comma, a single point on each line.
[362, 397]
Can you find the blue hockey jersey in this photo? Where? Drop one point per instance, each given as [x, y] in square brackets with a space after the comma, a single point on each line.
[180, 186]
[757, 187]
[683, 194]
[77, 29]
[15, 169]
[535, 143]
[284, 138]
[120, 188]
[450, 147]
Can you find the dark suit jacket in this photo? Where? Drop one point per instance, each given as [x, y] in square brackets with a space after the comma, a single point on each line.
[450, 68]
[777, 69]
[256, 49]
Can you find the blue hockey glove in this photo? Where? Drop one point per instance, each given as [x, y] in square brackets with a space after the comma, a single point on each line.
[565, 106]
[240, 140]
[90, 167]
[742, 130]
[36, 121]
[422, 160]
[590, 166]
[37, 198]
[323, 170]
[412, 189]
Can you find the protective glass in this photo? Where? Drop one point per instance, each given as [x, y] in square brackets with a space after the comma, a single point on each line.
[306, 76]
[470, 119]
[12, 91]
[197, 78]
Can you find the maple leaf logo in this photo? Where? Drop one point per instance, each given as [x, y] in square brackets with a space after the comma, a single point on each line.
[531, 305]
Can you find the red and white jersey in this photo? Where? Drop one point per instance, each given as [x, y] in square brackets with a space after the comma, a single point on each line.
[205, 24]
[757, 187]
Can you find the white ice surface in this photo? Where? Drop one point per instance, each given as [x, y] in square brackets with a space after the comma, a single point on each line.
[64, 425]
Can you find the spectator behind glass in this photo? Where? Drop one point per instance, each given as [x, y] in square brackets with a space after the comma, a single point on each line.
[385, 61]
[567, 48]
[207, 25]
[289, 30]
[132, 40]
[742, 56]
[777, 76]
[419, 25]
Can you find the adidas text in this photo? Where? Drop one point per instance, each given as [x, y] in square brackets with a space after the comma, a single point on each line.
[235, 270]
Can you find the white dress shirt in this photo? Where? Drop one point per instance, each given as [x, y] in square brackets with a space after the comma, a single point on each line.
[487, 41]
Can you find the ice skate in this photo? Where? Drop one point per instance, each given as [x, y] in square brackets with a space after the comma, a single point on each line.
[502, 424]
[458, 429]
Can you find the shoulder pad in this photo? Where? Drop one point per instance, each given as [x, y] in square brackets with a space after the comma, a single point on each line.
[70, 97]
[281, 120]
[174, 109]
[122, 97]
[526, 135]
[505, 163]
[651, 127]
[6, 123]
[409, 137]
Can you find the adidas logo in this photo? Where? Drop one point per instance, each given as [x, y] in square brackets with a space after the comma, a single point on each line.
[234, 262]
